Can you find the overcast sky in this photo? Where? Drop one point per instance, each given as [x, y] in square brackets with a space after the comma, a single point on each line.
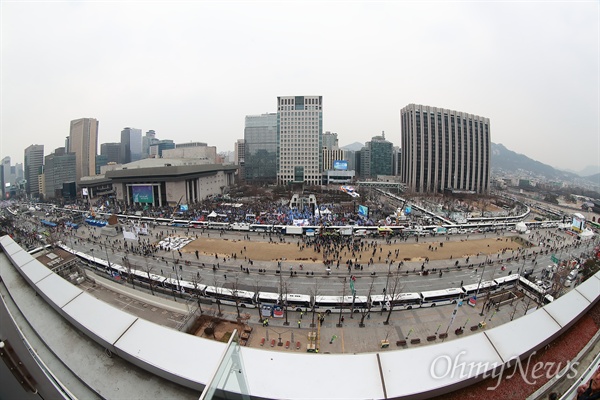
[193, 70]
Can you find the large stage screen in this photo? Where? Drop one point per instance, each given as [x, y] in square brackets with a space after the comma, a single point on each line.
[142, 194]
[578, 223]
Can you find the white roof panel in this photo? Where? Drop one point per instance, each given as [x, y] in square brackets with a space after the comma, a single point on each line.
[6, 240]
[11, 247]
[35, 271]
[589, 289]
[20, 258]
[58, 290]
[177, 353]
[339, 376]
[521, 335]
[408, 372]
[106, 321]
[564, 309]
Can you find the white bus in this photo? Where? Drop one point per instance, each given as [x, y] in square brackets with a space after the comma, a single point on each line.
[401, 301]
[298, 302]
[229, 296]
[332, 304]
[434, 298]
[534, 291]
[199, 224]
[483, 287]
[267, 298]
[507, 281]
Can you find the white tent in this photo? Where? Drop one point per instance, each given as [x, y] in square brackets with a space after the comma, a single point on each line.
[521, 227]
[587, 234]
[212, 215]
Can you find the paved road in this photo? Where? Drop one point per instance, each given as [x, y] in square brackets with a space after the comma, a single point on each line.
[325, 284]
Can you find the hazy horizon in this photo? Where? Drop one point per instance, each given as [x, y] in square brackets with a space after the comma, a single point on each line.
[191, 71]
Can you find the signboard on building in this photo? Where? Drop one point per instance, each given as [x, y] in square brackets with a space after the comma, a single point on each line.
[142, 194]
[340, 165]
[363, 211]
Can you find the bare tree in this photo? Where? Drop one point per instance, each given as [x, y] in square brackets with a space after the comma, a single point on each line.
[129, 271]
[558, 280]
[365, 312]
[284, 290]
[396, 288]
[148, 269]
[53, 238]
[217, 292]
[314, 292]
[235, 287]
[339, 324]
[197, 290]
[257, 289]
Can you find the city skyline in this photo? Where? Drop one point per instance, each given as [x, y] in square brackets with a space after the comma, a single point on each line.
[531, 68]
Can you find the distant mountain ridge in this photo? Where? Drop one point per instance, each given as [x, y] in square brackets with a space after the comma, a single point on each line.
[510, 161]
[356, 146]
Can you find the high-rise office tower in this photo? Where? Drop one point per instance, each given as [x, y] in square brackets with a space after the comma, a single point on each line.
[111, 151]
[239, 152]
[83, 141]
[300, 139]
[376, 157]
[396, 153]
[59, 167]
[238, 158]
[131, 145]
[101, 160]
[149, 139]
[332, 155]
[260, 153]
[18, 172]
[6, 170]
[330, 140]
[34, 162]
[444, 149]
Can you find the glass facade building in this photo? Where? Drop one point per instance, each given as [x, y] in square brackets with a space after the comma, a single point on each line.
[260, 149]
[34, 163]
[445, 150]
[111, 151]
[131, 145]
[60, 167]
[376, 158]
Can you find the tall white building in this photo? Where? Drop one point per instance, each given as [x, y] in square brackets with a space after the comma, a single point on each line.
[300, 137]
[445, 150]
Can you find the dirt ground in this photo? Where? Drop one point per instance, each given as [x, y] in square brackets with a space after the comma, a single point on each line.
[221, 327]
[409, 251]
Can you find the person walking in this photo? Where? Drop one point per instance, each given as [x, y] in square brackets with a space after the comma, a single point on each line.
[299, 323]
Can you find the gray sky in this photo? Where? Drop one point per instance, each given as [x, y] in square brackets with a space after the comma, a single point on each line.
[193, 70]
